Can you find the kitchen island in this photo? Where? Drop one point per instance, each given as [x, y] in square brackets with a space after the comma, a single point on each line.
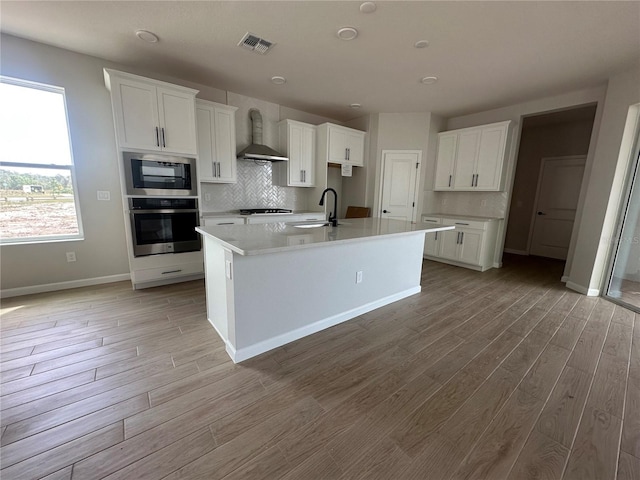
[271, 284]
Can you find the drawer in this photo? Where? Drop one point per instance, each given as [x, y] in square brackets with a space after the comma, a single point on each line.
[210, 221]
[171, 271]
[431, 220]
[464, 223]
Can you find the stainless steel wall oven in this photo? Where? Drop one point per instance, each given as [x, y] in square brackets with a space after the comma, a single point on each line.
[164, 225]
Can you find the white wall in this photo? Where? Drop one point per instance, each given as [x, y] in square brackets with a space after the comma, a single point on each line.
[604, 188]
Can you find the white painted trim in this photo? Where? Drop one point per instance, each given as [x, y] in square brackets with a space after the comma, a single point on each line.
[564, 279]
[497, 264]
[516, 252]
[245, 353]
[589, 292]
[52, 287]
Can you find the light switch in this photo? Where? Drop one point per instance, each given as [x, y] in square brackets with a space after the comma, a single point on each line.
[104, 195]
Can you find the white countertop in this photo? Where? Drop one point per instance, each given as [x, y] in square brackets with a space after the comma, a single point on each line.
[244, 215]
[279, 237]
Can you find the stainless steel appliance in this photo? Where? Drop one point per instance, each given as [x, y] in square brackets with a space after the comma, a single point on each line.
[159, 175]
[164, 225]
[257, 150]
[264, 211]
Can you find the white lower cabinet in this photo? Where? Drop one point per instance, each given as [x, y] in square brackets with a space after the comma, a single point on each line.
[472, 244]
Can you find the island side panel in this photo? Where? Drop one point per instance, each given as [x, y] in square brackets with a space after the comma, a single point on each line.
[217, 286]
[283, 296]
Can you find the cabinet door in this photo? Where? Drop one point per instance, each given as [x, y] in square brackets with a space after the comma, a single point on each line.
[490, 158]
[296, 155]
[449, 244]
[206, 168]
[470, 246]
[177, 121]
[225, 144]
[308, 156]
[445, 161]
[337, 145]
[355, 149]
[466, 156]
[135, 107]
[431, 243]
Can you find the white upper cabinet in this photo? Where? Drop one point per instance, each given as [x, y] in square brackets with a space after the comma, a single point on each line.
[446, 161]
[216, 142]
[298, 142]
[341, 145]
[152, 115]
[472, 159]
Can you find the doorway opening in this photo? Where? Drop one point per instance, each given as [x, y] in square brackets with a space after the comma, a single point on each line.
[548, 180]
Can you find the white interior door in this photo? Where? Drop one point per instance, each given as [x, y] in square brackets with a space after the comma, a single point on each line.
[557, 200]
[400, 170]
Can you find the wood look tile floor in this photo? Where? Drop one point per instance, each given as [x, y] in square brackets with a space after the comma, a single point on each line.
[497, 375]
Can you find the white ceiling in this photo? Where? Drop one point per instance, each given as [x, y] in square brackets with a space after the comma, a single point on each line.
[485, 54]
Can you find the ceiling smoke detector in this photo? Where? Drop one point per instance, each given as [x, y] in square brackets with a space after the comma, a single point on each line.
[254, 43]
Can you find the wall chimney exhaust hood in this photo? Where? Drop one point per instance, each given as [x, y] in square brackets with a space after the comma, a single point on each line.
[258, 151]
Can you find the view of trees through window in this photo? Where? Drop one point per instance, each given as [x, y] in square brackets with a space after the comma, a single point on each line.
[37, 198]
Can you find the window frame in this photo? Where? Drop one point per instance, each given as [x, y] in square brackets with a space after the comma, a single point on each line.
[70, 168]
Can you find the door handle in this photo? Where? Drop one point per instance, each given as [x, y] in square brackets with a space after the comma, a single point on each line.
[541, 213]
[386, 211]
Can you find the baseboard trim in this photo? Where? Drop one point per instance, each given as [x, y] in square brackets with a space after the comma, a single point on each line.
[52, 287]
[245, 353]
[589, 292]
[516, 252]
[564, 279]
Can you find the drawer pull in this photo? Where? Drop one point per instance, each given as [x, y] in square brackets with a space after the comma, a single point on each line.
[171, 271]
[432, 221]
[461, 223]
[225, 223]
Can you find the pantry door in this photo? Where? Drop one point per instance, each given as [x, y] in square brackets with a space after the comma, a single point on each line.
[401, 170]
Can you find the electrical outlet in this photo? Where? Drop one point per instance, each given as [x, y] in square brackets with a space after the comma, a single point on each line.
[104, 195]
[71, 257]
[359, 277]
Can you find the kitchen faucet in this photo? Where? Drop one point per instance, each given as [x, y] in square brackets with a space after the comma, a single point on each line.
[333, 219]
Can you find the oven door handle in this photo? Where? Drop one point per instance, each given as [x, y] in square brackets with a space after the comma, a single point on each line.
[161, 210]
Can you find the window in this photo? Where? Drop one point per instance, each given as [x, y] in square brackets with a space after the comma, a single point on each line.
[38, 200]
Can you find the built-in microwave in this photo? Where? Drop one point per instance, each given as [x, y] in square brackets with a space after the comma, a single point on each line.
[159, 175]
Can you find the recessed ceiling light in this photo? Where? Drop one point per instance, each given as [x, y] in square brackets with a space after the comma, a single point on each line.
[428, 80]
[278, 80]
[355, 106]
[147, 36]
[347, 33]
[368, 7]
[421, 44]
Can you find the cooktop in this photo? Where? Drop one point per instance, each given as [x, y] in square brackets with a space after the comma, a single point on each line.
[263, 211]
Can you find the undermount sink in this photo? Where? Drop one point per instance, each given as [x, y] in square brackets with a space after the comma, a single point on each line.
[309, 224]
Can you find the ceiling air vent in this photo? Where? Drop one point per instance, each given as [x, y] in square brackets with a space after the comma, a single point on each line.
[255, 43]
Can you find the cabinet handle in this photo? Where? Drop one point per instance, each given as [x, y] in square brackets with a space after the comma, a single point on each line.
[461, 237]
[450, 176]
[157, 137]
[436, 236]
[163, 142]
[461, 223]
[302, 175]
[476, 180]
[431, 221]
[213, 168]
[219, 174]
[171, 271]
[473, 180]
[225, 223]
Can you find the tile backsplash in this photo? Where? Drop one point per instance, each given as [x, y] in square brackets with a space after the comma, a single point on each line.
[254, 189]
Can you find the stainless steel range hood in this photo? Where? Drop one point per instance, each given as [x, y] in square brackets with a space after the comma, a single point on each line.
[258, 151]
